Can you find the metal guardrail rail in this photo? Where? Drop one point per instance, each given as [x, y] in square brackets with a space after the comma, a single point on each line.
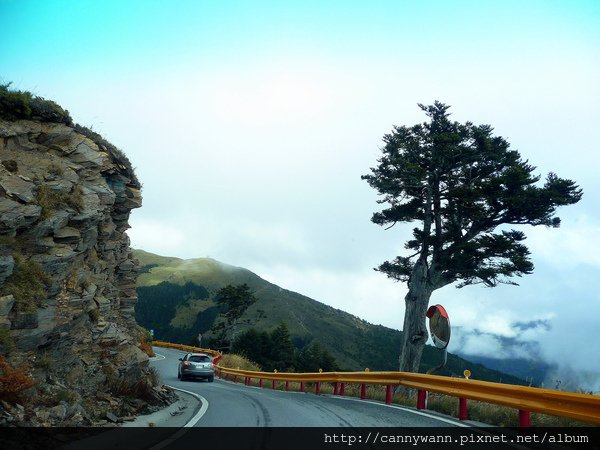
[584, 407]
[216, 355]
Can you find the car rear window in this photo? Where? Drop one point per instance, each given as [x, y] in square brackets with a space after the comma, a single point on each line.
[199, 358]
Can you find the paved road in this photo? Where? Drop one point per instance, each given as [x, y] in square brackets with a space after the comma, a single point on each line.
[236, 405]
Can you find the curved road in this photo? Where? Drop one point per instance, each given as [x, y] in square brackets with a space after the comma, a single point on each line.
[236, 405]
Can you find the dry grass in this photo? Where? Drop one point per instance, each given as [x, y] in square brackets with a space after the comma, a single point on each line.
[27, 284]
[238, 362]
[51, 200]
[13, 382]
[146, 347]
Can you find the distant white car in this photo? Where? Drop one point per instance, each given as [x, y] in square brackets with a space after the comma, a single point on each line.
[196, 365]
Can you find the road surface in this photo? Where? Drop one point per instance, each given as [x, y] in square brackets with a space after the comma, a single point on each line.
[228, 404]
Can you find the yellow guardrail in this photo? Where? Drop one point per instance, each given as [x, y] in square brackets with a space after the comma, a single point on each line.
[584, 407]
[188, 348]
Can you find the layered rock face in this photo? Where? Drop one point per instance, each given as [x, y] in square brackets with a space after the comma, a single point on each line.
[67, 275]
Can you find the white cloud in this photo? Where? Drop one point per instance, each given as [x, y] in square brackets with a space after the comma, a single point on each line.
[156, 237]
[576, 242]
[370, 296]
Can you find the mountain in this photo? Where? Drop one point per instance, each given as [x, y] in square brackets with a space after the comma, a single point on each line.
[175, 299]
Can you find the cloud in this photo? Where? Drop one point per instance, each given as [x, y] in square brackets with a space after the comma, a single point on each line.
[370, 296]
[575, 243]
[156, 236]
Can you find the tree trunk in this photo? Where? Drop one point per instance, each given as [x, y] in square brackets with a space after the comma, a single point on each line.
[414, 332]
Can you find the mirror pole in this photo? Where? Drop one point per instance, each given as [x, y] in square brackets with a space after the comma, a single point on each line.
[444, 361]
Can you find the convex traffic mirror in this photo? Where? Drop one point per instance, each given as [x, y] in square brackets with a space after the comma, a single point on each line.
[439, 326]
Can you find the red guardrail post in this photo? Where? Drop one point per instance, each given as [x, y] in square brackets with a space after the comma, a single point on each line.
[335, 388]
[363, 391]
[421, 399]
[235, 378]
[318, 388]
[273, 384]
[462, 409]
[287, 385]
[388, 394]
[342, 389]
[302, 386]
[260, 383]
[524, 419]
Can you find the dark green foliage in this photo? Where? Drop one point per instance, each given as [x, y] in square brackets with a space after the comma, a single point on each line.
[236, 299]
[461, 182]
[147, 268]
[282, 349]
[271, 351]
[256, 346]
[19, 105]
[205, 319]
[275, 351]
[314, 357]
[156, 307]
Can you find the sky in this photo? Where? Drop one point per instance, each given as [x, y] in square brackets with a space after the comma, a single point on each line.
[250, 125]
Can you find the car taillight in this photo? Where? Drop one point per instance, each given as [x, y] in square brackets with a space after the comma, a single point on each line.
[186, 364]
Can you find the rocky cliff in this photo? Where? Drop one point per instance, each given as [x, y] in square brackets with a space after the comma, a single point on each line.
[67, 279]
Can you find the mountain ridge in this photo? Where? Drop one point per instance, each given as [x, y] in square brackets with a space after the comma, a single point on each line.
[356, 343]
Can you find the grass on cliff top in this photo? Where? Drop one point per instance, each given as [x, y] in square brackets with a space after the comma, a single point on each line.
[23, 105]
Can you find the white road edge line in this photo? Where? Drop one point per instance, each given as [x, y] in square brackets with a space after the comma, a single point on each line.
[189, 424]
[421, 413]
[157, 357]
[403, 408]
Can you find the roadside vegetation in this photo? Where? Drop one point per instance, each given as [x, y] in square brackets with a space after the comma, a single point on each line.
[275, 351]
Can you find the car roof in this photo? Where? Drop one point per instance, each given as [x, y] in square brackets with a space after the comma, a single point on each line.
[199, 354]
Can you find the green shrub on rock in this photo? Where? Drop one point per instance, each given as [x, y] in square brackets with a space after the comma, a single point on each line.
[19, 105]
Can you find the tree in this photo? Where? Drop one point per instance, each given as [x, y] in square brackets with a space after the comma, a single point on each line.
[255, 346]
[236, 299]
[282, 349]
[269, 350]
[464, 186]
[313, 357]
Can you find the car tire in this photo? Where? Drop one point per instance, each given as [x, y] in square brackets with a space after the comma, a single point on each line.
[211, 379]
[179, 375]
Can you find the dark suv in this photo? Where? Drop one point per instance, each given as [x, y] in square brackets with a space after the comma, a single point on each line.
[196, 365]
